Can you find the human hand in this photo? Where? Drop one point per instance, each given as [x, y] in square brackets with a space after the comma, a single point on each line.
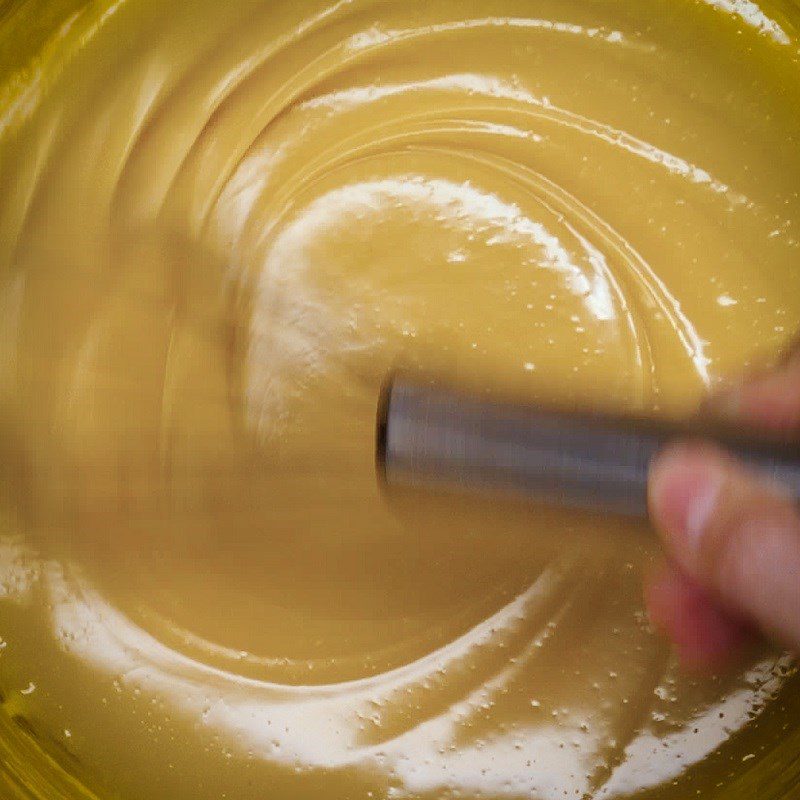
[732, 539]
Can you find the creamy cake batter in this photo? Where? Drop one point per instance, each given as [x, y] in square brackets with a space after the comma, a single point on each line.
[221, 224]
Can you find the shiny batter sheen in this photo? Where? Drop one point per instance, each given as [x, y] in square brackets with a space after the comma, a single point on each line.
[221, 224]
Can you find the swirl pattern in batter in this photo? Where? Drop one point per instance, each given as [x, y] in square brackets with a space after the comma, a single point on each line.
[221, 224]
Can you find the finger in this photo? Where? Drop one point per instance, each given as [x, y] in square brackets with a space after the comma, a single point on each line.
[705, 636]
[735, 536]
[770, 399]
[791, 353]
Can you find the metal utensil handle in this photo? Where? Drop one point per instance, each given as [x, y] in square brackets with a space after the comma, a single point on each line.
[435, 437]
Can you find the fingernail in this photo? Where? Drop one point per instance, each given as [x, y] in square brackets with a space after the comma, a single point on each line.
[685, 490]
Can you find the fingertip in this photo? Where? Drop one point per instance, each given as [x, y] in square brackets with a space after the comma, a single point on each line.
[724, 403]
[705, 637]
[769, 399]
[773, 402]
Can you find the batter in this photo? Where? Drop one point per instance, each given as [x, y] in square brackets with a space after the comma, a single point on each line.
[221, 224]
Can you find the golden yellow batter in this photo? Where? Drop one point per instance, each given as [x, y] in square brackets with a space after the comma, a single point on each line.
[221, 223]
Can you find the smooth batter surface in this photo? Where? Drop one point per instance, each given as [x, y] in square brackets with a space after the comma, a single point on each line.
[221, 223]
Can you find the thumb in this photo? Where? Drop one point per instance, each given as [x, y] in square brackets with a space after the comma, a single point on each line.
[737, 537]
